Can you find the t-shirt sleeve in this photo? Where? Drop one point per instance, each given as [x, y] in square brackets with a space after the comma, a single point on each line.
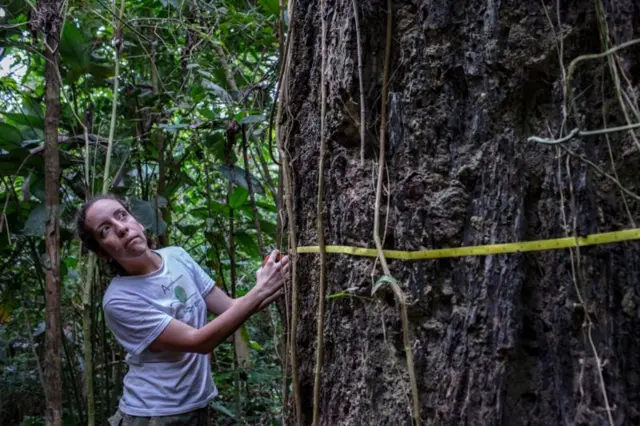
[203, 281]
[135, 323]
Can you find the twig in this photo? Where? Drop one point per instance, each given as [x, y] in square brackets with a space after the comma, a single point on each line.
[33, 347]
[360, 80]
[604, 40]
[320, 222]
[600, 171]
[376, 224]
[576, 61]
[611, 159]
[588, 322]
[247, 175]
[575, 132]
[288, 196]
[114, 107]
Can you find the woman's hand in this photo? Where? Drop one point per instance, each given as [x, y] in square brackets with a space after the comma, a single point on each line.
[270, 277]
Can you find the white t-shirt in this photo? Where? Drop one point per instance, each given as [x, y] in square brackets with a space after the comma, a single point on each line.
[137, 309]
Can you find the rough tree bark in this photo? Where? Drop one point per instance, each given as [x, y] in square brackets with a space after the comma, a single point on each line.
[48, 21]
[497, 340]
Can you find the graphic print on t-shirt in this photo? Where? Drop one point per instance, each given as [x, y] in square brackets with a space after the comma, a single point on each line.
[183, 305]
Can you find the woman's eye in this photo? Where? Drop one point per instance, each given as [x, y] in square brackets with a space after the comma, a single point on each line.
[121, 215]
[104, 231]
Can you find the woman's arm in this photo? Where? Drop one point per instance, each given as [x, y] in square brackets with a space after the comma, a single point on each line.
[180, 337]
[218, 301]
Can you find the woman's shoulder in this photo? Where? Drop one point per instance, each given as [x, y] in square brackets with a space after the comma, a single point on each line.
[172, 251]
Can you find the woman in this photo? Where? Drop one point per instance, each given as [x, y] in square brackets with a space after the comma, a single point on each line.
[157, 309]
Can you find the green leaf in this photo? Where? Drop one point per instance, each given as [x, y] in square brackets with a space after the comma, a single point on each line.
[268, 227]
[222, 409]
[146, 213]
[172, 128]
[170, 3]
[10, 137]
[218, 90]
[32, 106]
[11, 162]
[74, 48]
[160, 201]
[180, 294]
[385, 279]
[188, 230]
[25, 119]
[248, 244]
[252, 119]
[237, 176]
[34, 226]
[238, 197]
[101, 71]
[271, 7]
[266, 206]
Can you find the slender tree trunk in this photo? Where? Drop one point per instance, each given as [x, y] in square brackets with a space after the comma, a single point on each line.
[232, 131]
[540, 338]
[50, 21]
[87, 325]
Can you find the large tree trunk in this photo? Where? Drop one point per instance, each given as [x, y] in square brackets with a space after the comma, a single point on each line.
[497, 340]
[49, 21]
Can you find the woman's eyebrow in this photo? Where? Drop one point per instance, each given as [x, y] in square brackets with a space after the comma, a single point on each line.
[101, 224]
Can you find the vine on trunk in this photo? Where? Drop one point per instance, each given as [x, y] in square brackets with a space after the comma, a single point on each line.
[397, 291]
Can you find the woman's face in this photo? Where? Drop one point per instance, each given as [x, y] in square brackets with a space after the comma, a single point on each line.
[119, 234]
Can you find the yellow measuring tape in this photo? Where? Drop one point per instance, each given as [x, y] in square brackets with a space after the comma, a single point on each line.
[525, 246]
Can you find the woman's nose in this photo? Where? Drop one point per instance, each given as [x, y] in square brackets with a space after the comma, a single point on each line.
[122, 229]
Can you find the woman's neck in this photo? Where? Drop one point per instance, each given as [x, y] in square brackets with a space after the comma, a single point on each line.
[142, 265]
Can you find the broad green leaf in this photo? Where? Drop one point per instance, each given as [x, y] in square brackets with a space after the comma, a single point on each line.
[172, 128]
[221, 408]
[34, 226]
[238, 197]
[270, 7]
[248, 244]
[10, 162]
[268, 227]
[266, 206]
[171, 3]
[74, 48]
[218, 90]
[101, 72]
[160, 201]
[146, 214]
[237, 176]
[385, 279]
[25, 119]
[14, 7]
[188, 230]
[252, 119]
[32, 106]
[10, 137]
